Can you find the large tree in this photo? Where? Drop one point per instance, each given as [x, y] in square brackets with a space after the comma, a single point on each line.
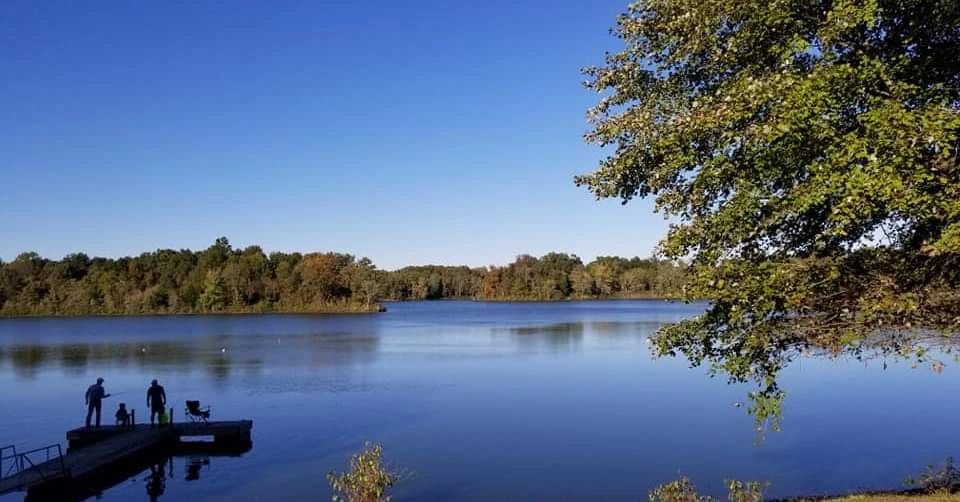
[807, 150]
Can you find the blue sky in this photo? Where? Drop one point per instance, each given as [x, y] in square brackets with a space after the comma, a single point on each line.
[410, 132]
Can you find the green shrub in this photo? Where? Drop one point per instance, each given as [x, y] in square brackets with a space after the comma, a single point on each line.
[945, 478]
[680, 490]
[367, 480]
[683, 490]
[750, 491]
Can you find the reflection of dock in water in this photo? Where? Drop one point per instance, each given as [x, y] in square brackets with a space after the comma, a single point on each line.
[102, 457]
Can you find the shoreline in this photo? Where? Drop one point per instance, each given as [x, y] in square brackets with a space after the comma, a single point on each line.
[377, 308]
[373, 309]
[911, 494]
[534, 300]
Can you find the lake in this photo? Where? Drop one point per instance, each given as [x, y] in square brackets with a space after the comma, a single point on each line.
[477, 401]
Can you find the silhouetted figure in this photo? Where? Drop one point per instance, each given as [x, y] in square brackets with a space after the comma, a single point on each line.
[123, 416]
[157, 482]
[194, 464]
[94, 397]
[156, 400]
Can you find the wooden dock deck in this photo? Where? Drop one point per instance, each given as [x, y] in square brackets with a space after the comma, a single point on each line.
[220, 431]
[95, 449]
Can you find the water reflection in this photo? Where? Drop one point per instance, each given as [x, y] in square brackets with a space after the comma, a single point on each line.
[564, 329]
[156, 480]
[620, 328]
[557, 336]
[762, 359]
[566, 394]
[255, 346]
[27, 359]
[153, 473]
[194, 465]
[220, 355]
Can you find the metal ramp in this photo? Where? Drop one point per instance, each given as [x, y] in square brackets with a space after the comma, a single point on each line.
[20, 470]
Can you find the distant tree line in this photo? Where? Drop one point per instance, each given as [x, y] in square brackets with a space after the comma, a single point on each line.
[554, 276]
[218, 279]
[222, 278]
[557, 276]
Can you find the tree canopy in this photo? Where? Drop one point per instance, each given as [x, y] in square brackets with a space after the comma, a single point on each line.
[808, 151]
[222, 278]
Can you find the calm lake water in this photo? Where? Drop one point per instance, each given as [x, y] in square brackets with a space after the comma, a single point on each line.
[479, 401]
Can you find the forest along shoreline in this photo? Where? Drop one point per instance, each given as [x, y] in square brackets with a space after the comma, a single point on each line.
[226, 280]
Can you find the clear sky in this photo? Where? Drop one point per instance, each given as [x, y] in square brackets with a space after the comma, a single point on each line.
[410, 132]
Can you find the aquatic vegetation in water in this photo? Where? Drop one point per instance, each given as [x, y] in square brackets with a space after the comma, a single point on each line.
[683, 490]
[367, 480]
[680, 490]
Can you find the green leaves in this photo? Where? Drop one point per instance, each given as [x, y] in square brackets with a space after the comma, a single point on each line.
[808, 151]
[218, 279]
[367, 480]
[789, 127]
[683, 490]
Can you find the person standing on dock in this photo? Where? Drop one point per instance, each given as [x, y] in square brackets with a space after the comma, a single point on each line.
[94, 397]
[156, 400]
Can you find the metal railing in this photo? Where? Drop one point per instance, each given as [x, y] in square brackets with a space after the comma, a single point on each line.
[38, 460]
[6, 471]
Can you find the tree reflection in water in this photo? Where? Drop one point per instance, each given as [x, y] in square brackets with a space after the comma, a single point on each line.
[219, 355]
[762, 353]
[758, 356]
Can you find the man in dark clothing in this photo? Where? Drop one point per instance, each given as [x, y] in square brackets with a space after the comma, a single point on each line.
[95, 394]
[156, 400]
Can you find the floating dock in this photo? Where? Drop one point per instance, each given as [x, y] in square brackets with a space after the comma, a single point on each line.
[93, 450]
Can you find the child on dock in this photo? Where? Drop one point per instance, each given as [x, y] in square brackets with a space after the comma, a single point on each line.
[123, 416]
